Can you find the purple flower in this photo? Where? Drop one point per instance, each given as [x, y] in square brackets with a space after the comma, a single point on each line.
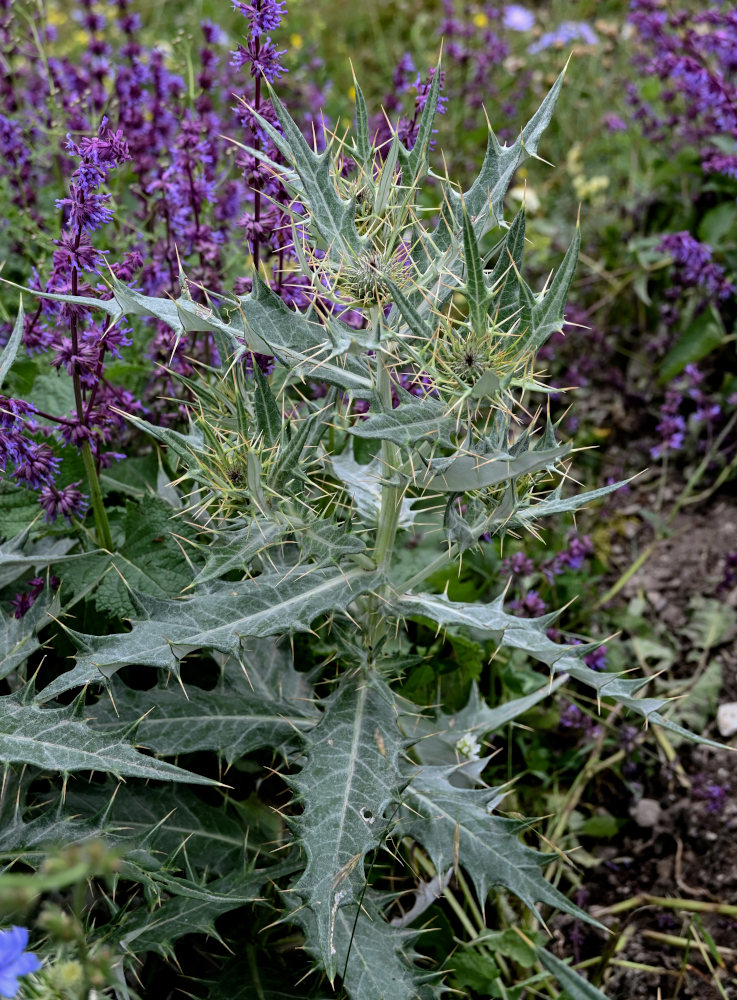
[517, 565]
[614, 122]
[423, 91]
[530, 606]
[263, 57]
[571, 558]
[729, 578]
[263, 15]
[691, 50]
[24, 601]
[597, 659]
[518, 18]
[715, 162]
[37, 466]
[14, 960]
[694, 266]
[78, 252]
[628, 737]
[86, 210]
[69, 502]
[713, 794]
[571, 717]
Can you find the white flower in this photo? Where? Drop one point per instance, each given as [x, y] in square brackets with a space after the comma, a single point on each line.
[468, 747]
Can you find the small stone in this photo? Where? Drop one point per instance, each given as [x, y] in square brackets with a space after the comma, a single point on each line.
[727, 719]
[646, 813]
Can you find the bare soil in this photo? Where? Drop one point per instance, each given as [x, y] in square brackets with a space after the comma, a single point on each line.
[678, 844]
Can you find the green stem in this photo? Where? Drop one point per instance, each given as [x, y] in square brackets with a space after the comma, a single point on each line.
[681, 942]
[668, 903]
[626, 576]
[702, 467]
[391, 494]
[593, 767]
[102, 525]
[104, 538]
[38, 883]
[253, 966]
[461, 915]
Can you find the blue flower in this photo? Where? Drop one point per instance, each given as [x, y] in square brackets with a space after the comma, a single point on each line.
[518, 18]
[568, 31]
[14, 961]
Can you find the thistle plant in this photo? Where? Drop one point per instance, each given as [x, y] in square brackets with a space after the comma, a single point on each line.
[293, 513]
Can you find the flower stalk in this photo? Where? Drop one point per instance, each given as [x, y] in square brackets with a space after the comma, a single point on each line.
[102, 525]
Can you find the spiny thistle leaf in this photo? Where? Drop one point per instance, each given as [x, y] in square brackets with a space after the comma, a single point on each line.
[527, 513]
[24, 831]
[363, 484]
[484, 200]
[10, 350]
[548, 314]
[169, 822]
[242, 978]
[327, 542]
[437, 256]
[376, 962]
[56, 739]
[245, 712]
[182, 445]
[268, 414]
[477, 472]
[575, 986]
[260, 322]
[474, 288]
[17, 556]
[273, 603]
[416, 324]
[149, 828]
[503, 279]
[456, 825]
[158, 931]
[236, 550]
[347, 786]
[362, 140]
[528, 634]
[408, 424]
[414, 162]
[435, 738]
[330, 215]
[19, 636]
[295, 451]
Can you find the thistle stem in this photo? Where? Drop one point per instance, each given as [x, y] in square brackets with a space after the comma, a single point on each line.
[391, 494]
[390, 503]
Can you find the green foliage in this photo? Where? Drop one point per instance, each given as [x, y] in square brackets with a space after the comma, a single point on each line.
[348, 790]
[59, 739]
[10, 350]
[149, 561]
[249, 709]
[454, 823]
[575, 985]
[159, 930]
[283, 516]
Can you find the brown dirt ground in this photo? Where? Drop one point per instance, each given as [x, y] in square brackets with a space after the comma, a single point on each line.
[685, 851]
